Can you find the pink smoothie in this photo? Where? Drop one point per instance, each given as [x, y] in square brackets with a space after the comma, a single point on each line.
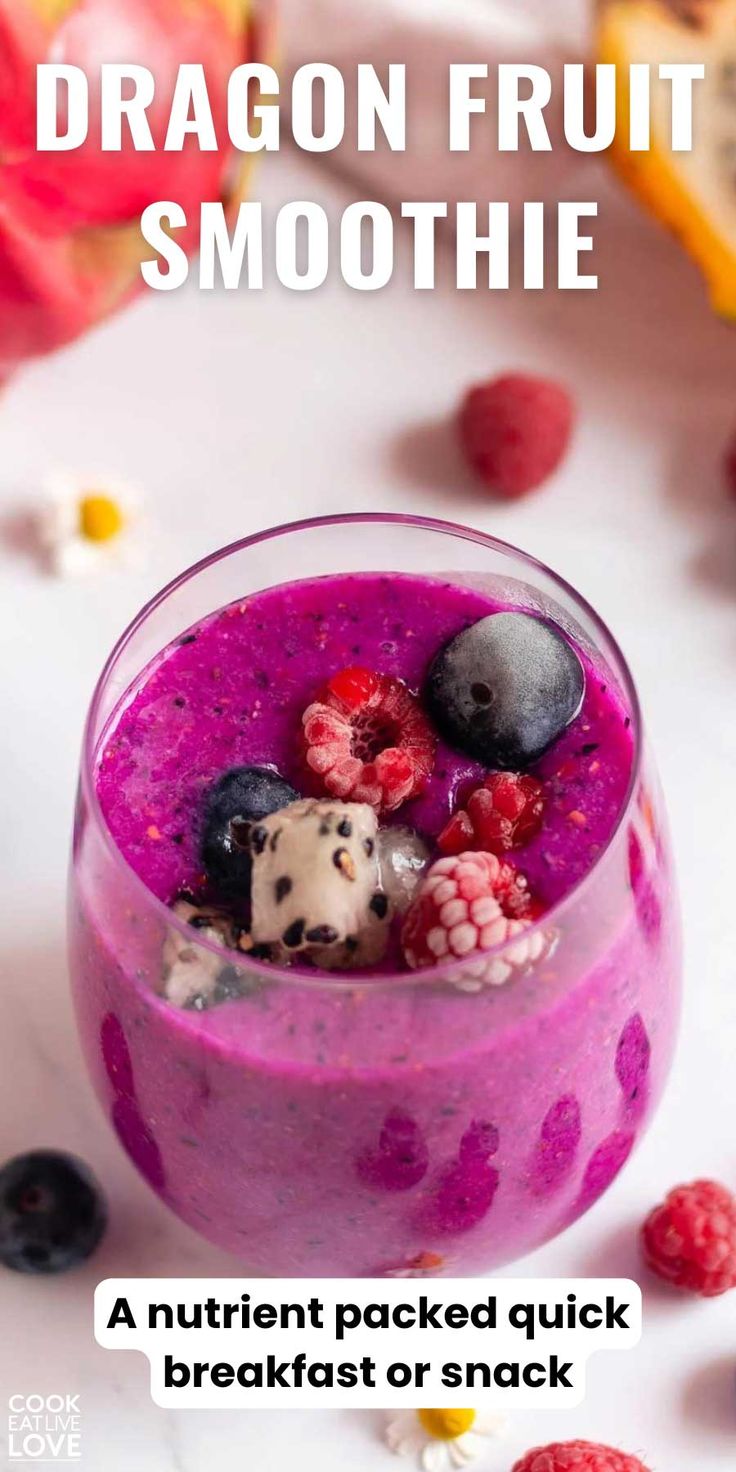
[350, 1124]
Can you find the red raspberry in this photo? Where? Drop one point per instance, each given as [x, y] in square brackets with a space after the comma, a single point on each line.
[515, 431]
[503, 813]
[457, 836]
[577, 1456]
[368, 740]
[467, 905]
[691, 1239]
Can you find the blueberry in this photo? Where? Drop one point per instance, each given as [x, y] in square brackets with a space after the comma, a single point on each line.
[241, 797]
[52, 1213]
[504, 689]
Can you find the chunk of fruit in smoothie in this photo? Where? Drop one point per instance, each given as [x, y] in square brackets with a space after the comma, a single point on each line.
[504, 690]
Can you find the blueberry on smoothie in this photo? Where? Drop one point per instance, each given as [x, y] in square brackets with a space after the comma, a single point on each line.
[52, 1212]
[242, 796]
[504, 689]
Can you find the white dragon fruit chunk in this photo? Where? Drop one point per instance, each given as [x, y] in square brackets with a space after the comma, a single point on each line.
[316, 885]
[192, 975]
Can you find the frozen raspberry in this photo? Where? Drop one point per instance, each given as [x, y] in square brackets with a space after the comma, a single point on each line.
[691, 1239]
[503, 813]
[469, 904]
[515, 431]
[368, 740]
[458, 836]
[577, 1456]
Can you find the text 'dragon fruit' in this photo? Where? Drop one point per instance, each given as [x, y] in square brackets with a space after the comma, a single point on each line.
[692, 191]
[504, 689]
[70, 238]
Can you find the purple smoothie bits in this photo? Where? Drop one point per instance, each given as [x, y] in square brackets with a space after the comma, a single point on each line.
[604, 1165]
[401, 1158]
[557, 1148]
[463, 1191]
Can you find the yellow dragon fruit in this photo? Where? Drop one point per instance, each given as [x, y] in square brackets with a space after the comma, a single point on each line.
[694, 193]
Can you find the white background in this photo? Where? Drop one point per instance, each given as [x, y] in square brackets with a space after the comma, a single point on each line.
[236, 412]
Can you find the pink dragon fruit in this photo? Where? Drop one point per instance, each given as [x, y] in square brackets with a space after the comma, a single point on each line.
[70, 241]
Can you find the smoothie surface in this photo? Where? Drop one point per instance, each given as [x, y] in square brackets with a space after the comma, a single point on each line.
[232, 691]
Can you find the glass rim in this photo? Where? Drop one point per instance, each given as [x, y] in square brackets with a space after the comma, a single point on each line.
[443, 972]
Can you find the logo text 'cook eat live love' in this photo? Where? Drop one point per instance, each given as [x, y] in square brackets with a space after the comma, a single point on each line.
[44, 1428]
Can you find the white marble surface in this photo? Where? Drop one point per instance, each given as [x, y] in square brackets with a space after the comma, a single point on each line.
[235, 412]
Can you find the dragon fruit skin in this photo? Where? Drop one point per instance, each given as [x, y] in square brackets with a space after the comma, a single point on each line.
[70, 241]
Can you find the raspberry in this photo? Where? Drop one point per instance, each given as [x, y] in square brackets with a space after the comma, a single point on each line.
[466, 905]
[458, 836]
[368, 740]
[503, 813]
[577, 1456]
[515, 431]
[691, 1238]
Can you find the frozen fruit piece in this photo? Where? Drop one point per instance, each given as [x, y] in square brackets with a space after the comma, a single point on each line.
[503, 813]
[504, 689]
[577, 1456]
[515, 431]
[194, 976]
[691, 1238]
[240, 797]
[690, 190]
[457, 836]
[467, 905]
[403, 860]
[52, 1212]
[368, 740]
[316, 886]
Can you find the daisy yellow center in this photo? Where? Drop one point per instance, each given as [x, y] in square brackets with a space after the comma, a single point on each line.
[100, 518]
[446, 1425]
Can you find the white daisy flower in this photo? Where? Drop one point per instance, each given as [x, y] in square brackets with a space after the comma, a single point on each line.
[441, 1440]
[84, 524]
